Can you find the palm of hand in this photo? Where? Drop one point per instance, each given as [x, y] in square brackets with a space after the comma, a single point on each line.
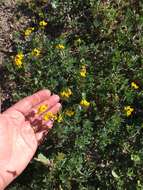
[18, 141]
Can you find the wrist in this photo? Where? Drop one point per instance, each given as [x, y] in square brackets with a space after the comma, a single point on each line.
[6, 177]
[2, 183]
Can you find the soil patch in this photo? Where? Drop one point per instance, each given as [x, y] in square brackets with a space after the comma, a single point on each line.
[10, 21]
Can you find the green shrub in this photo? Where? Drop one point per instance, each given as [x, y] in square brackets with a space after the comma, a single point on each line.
[93, 48]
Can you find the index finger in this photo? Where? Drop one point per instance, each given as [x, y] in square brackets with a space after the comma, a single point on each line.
[26, 104]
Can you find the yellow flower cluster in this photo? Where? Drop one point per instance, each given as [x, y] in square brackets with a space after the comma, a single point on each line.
[66, 93]
[36, 52]
[18, 60]
[69, 112]
[43, 23]
[83, 71]
[134, 85]
[60, 46]
[84, 103]
[28, 31]
[42, 109]
[128, 110]
[49, 115]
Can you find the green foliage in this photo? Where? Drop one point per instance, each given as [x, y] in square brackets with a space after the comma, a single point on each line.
[99, 147]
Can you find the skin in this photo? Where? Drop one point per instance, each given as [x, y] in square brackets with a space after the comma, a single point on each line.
[18, 140]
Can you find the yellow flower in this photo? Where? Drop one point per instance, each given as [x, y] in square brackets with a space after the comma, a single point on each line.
[60, 46]
[134, 85]
[59, 118]
[83, 71]
[84, 103]
[49, 115]
[18, 63]
[128, 110]
[36, 52]
[69, 112]
[18, 60]
[42, 109]
[43, 23]
[19, 56]
[66, 93]
[28, 31]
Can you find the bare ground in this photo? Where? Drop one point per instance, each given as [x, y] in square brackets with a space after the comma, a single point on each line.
[9, 23]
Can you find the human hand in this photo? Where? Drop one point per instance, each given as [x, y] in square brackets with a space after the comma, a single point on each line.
[18, 140]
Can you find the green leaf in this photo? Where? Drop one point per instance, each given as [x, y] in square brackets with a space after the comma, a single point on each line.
[43, 159]
[114, 174]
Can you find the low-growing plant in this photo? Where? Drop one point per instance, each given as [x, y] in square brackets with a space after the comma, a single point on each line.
[90, 53]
